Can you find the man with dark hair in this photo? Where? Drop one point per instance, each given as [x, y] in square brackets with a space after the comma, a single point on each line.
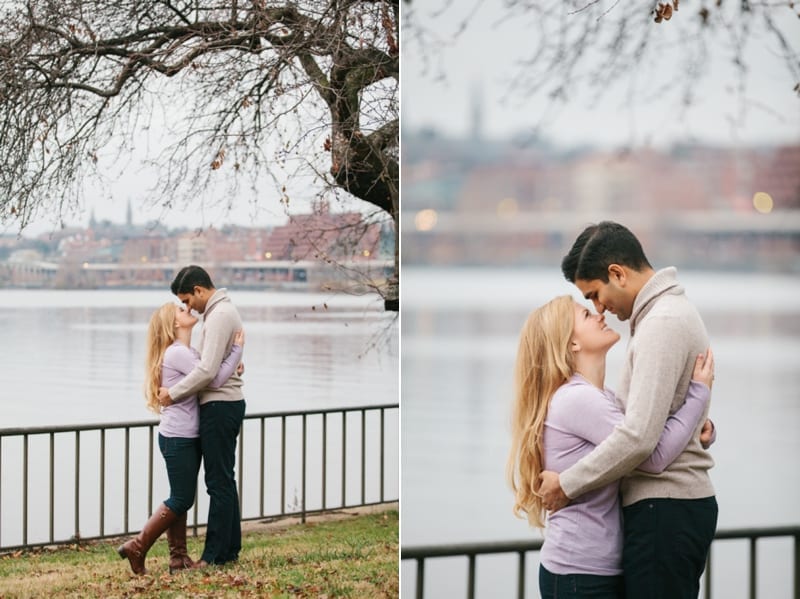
[190, 277]
[669, 518]
[221, 410]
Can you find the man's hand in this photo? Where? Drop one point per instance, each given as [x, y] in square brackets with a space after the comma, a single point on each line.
[163, 397]
[240, 369]
[707, 434]
[553, 496]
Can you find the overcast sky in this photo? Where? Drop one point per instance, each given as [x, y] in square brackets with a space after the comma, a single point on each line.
[443, 73]
[135, 183]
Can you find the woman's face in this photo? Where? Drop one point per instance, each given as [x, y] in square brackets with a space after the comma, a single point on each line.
[590, 331]
[184, 318]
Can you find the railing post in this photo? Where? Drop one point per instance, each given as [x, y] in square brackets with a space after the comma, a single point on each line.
[708, 574]
[383, 459]
[420, 577]
[283, 464]
[797, 567]
[25, 489]
[753, 565]
[521, 576]
[261, 475]
[324, 459]
[344, 458]
[125, 480]
[78, 484]
[150, 470]
[1, 486]
[102, 480]
[52, 486]
[471, 577]
[303, 475]
[363, 455]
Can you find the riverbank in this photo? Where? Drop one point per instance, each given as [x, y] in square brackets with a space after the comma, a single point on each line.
[350, 553]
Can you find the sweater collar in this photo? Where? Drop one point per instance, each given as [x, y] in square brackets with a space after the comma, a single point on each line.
[220, 295]
[662, 282]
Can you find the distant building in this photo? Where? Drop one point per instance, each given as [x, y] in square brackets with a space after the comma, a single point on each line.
[324, 235]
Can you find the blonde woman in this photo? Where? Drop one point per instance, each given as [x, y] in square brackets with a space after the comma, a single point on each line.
[169, 359]
[561, 411]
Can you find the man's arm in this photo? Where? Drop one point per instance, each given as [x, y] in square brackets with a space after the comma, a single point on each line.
[218, 332]
[660, 362]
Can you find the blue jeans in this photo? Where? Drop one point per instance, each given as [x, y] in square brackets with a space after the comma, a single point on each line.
[579, 586]
[182, 457]
[220, 423]
[666, 546]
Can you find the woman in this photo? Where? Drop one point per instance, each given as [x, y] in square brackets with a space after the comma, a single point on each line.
[561, 411]
[169, 359]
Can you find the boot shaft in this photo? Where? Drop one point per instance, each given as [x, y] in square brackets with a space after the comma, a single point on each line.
[176, 537]
[136, 549]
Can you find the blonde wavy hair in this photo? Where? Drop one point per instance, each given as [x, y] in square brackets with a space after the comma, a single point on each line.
[160, 335]
[544, 363]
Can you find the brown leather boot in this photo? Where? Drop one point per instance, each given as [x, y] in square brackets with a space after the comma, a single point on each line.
[176, 537]
[136, 549]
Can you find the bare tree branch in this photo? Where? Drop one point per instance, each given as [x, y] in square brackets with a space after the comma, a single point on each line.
[79, 76]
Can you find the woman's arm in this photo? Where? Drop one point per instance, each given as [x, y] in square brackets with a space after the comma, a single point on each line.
[231, 361]
[680, 426]
[228, 367]
[678, 429]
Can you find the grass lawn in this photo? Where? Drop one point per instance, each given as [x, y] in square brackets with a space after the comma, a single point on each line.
[356, 556]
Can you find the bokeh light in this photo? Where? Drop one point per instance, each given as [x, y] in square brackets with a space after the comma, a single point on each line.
[425, 220]
[762, 202]
[507, 208]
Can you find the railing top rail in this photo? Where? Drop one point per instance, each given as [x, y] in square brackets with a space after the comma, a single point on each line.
[751, 533]
[455, 549]
[38, 430]
[419, 551]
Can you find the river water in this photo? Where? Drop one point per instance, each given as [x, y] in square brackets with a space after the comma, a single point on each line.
[77, 357]
[460, 331]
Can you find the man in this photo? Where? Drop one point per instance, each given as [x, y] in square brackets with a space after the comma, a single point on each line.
[669, 518]
[221, 410]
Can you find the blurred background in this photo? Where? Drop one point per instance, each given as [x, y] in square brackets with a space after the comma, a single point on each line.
[521, 124]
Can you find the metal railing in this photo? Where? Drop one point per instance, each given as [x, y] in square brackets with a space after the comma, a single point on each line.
[354, 451]
[472, 550]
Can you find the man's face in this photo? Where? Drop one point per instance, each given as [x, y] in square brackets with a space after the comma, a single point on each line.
[611, 296]
[194, 301]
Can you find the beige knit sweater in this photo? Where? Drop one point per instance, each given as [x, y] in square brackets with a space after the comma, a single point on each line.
[220, 321]
[667, 334]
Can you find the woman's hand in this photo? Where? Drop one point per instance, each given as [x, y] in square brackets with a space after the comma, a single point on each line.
[238, 338]
[707, 434]
[704, 369]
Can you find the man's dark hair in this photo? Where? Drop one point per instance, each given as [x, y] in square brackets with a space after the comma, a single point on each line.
[188, 278]
[600, 245]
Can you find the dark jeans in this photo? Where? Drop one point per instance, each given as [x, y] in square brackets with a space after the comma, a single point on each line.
[182, 457]
[220, 423]
[666, 546]
[579, 586]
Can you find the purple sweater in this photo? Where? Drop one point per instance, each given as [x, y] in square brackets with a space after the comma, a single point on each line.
[182, 419]
[586, 536]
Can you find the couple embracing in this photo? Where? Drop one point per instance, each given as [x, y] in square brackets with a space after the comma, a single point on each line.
[622, 479]
[199, 397]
